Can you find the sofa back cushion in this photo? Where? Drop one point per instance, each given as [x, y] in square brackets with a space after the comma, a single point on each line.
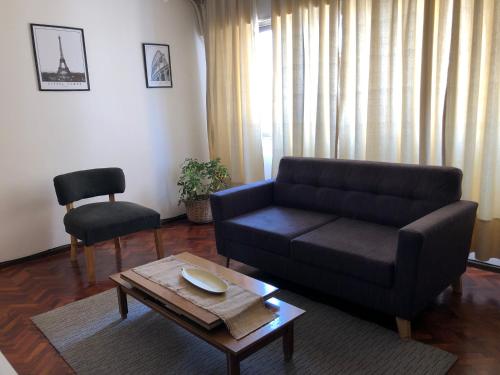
[385, 193]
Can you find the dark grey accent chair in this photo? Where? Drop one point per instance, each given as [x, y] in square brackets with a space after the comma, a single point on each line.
[387, 236]
[96, 222]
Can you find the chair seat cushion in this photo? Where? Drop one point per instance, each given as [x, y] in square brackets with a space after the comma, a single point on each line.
[96, 222]
[356, 248]
[273, 227]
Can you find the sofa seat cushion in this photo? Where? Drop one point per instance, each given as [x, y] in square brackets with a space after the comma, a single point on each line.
[356, 248]
[97, 222]
[273, 227]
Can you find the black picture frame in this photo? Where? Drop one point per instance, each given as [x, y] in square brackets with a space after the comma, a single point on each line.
[157, 78]
[63, 79]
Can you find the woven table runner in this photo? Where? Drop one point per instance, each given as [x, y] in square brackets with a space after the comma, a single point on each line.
[241, 310]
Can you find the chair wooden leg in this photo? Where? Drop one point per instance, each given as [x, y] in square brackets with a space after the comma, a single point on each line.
[227, 262]
[404, 328]
[89, 257]
[159, 247]
[74, 247]
[118, 247]
[457, 286]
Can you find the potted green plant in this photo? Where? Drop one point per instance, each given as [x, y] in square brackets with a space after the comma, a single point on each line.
[197, 180]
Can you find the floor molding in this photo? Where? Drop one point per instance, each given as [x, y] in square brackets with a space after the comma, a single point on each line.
[59, 249]
[483, 265]
[172, 219]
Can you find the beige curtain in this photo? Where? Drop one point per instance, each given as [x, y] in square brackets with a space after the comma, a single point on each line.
[305, 64]
[393, 80]
[352, 79]
[472, 124]
[379, 115]
[234, 135]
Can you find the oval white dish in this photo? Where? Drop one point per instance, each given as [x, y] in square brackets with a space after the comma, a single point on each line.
[204, 280]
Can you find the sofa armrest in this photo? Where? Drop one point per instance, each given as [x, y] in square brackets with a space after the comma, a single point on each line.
[239, 200]
[236, 201]
[432, 253]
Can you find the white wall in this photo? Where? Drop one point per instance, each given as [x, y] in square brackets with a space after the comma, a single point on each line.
[147, 132]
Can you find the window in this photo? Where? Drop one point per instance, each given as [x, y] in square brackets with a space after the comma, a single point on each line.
[264, 48]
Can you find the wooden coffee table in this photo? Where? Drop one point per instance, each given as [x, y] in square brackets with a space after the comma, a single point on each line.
[206, 325]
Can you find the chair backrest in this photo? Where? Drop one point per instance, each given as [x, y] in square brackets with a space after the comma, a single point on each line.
[385, 193]
[71, 187]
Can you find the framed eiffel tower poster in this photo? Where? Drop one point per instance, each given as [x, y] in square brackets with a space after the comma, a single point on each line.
[60, 58]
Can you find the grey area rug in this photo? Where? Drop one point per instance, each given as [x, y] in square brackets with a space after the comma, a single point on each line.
[93, 339]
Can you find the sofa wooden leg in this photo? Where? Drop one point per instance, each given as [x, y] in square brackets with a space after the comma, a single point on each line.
[227, 262]
[457, 286]
[89, 257]
[159, 248]
[74, 247]
[404, 328]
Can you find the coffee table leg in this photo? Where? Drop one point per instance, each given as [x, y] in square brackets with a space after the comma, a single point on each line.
[122, 302]
[233, 364]
[288, 342]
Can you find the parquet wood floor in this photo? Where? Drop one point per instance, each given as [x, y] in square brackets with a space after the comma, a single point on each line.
[468, 326]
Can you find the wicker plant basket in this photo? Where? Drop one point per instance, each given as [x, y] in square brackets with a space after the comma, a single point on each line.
[199, 211]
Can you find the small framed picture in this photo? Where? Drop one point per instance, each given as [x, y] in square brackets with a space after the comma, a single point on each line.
[157, 66]
[60, 58]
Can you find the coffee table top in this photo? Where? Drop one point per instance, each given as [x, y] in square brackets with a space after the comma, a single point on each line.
[180, 305]
[219, 336]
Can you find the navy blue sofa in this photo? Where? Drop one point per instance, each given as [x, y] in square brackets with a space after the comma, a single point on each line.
[384, 235]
